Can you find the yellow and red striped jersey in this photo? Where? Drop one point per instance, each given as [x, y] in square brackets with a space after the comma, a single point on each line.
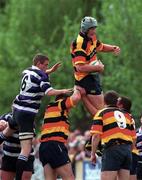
[135, 151]
[83, 51]
[112, 124]
[56, 124]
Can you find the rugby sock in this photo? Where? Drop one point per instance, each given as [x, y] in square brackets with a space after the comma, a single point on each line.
[20, 166]
[2, 137]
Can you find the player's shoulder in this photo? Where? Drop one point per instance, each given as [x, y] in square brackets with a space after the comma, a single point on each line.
[35, 70]
[100, 112]
[106, 110]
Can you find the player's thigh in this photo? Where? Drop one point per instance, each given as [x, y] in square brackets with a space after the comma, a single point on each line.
[26, 175]
[25, 121]
[26, 146]
[133, 177]
[109, 175]
[96, 100]
[5, 175]
[123, 174]
[49, 173]
[65, 172]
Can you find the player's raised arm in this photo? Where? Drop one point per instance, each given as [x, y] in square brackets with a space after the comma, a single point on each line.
[111, 48]
[53, 68]
[55, 92]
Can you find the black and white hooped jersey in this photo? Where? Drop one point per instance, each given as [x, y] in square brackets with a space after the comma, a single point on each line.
[11, 146]
[34, 85]
[139, 140]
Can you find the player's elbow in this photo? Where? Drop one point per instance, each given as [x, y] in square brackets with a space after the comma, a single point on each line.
[51, 92]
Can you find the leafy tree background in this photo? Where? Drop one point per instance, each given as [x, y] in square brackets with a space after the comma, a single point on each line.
[32, 26]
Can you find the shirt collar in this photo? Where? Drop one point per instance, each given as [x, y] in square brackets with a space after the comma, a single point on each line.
[35, 67]
[84, 35]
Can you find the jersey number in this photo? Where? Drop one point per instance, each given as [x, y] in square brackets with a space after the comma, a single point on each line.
[120, 118]
[24, 81]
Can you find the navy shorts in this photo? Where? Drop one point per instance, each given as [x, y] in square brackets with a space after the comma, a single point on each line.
[133, 170]
[25, 123]
[9, 164]
[53, 153]
[117, 157]
[91, 84]
[139, 168]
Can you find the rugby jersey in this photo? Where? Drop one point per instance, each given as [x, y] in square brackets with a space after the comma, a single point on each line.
[135, 151]
[139, 140]
[83, 51]
[34, 85]
[113, 124]
[11, 146]
[56, 124]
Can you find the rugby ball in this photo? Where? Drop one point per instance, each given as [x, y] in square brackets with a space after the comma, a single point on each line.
[94, 63]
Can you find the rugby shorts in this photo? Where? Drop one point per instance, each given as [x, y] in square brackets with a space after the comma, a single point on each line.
[91, 84]
[53, 153]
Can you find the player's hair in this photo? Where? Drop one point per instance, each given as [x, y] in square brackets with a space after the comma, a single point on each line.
[110, 98]
[40, 58]
[126, 103]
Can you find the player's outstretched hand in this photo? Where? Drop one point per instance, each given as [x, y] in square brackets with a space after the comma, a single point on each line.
[53, 68]
[67, 91]
[93, 158]
[116, 50]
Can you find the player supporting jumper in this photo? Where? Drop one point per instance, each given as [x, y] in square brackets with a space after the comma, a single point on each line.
[55, 130]
[34, 85]
[83, 51]
[115, 128]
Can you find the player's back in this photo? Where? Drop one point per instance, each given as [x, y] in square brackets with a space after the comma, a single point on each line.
[33, 85]
[114, 124]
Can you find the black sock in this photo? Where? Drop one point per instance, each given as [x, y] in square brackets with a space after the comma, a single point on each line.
[20, 166]
[2, 137]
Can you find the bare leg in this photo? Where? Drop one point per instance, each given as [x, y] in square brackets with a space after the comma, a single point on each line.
[26, 175]
[93, 103]
[89, 106]
[5, 175]
[65, 172]
[49, 173]
[96, 100]
[26, 146]
[124, 174]
[109, 175]
[133, 177]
